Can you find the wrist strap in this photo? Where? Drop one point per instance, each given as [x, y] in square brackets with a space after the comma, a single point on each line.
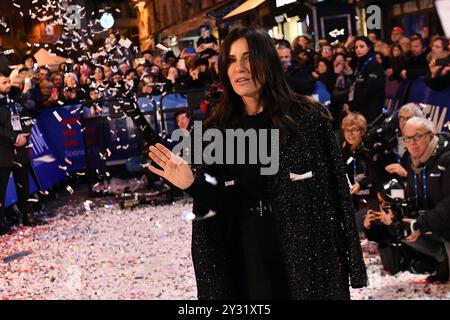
[413, 226]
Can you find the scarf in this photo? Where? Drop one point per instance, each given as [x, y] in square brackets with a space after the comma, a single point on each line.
[418, 163]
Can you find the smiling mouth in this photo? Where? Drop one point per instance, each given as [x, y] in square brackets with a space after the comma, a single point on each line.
[242, 80]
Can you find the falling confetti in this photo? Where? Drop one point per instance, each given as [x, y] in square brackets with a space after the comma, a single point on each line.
[70, 190]
[210, 179]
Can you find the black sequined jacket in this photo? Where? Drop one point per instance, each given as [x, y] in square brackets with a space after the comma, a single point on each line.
[314, 220]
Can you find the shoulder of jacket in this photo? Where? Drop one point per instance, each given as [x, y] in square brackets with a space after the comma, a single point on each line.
[443, 158]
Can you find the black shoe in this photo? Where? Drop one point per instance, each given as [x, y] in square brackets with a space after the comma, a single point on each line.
[19, 220]
[31, 221]
[441, 274]
[4, 226]
[421, 267]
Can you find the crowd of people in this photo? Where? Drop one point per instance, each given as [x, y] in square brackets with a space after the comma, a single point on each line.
[355, 75]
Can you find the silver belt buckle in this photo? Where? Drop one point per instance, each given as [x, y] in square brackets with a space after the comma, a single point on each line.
[260, 208]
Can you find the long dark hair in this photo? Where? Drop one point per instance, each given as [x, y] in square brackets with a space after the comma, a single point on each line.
[275, 95]
[369, 44]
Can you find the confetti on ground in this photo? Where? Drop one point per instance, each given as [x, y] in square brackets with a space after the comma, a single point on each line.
[144, 253]
[402, 286]
[106, 253]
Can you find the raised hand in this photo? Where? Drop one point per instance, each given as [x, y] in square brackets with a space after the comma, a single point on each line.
[174, 169]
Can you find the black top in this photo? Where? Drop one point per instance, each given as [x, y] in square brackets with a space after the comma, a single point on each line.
[10, 153]
[252, 185]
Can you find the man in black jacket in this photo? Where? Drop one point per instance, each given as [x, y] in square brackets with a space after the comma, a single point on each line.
[299, 79]
[429, 185]
[416, 65]
[14, 134]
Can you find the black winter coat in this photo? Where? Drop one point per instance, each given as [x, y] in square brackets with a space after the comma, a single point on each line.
[314, 219]
[8, 152]
[416, 66]
[299, 79]
[369, 95]
[439, 82]
[437, 215]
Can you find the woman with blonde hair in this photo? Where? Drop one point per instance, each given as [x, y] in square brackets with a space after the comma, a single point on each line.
[353, 126]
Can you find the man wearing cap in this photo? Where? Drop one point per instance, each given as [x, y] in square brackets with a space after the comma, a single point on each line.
[396, 34]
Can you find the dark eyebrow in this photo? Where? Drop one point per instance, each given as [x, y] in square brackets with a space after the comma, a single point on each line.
[244, 54]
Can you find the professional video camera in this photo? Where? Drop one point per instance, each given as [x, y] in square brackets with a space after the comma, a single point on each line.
[393, 192]
[160, 194]
[381, 138]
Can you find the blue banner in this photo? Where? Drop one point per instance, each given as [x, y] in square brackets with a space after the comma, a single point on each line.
[436, 103]
[58, 141]
[48, 169]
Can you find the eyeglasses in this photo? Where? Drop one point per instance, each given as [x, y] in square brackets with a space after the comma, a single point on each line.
[415, 138]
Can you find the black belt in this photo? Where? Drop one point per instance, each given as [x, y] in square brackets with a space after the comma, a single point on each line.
[259, 208]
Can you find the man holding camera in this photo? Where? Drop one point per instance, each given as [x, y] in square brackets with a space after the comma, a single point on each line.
[406, 112]
[14, 135]
[429, 185]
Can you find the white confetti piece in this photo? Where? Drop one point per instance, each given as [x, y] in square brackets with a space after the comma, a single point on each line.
[70, 190]
[210, 179]
[57, 116]
[187, 215]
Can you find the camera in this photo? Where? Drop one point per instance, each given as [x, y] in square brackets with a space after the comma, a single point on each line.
[393, 192]
[381, 138]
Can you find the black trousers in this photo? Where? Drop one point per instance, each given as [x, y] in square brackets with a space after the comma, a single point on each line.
[22, 180]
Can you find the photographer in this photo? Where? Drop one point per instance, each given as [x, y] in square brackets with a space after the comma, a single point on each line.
[406, 112]
[382, 226]
[429, 185]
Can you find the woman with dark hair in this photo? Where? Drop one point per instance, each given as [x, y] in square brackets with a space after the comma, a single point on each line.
[29, 62]
[397, 63]
[288, 235]
[302, 42]
[324, 73]
[367, 93]
[383, 60]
